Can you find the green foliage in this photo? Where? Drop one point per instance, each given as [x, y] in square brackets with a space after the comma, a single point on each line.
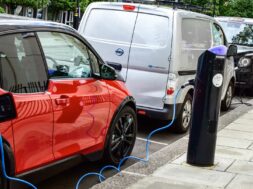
[238, 8]
[26, 3]
[2, 10]
[198, 2]
[59, 5]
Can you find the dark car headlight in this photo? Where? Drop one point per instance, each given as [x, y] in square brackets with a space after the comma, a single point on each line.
[244, 62]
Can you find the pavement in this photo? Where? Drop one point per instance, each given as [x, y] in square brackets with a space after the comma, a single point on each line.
[167, 168]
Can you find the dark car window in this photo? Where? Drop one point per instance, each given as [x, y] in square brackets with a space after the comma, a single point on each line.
[21, 65]
[66, 56]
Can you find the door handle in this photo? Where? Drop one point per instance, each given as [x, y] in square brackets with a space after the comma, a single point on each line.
[62, 101]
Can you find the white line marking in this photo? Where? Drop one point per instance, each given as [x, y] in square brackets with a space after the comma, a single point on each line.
[135, 174]
[152, 141]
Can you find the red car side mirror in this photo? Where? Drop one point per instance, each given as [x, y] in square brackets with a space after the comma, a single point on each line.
[7, 107]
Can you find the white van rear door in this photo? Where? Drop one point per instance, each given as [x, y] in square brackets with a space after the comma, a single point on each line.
[149, 60]
[110, 33]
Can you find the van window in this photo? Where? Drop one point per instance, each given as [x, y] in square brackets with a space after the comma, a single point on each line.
[196, 33]
[151, 30]
[218, 36]
[22, 69]
[110, 25]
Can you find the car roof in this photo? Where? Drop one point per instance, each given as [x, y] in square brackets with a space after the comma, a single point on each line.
[154, 9]
[10, 22]
[235, 19]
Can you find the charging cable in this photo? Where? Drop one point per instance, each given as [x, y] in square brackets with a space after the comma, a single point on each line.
[146, 159]
[4, 168]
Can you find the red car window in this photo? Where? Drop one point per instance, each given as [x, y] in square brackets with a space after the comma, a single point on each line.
[21, 64]
[66, 56]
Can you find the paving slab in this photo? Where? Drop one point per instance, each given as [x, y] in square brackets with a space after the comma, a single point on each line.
[241, 167]
[233, 142]
[248, 116]
[251, 147]
[241, 182]
[236, 134]
[244, 121]
[162, 183]
[241, 127]
[233, 153]
[220, 164]
[118, 182]
[194, 175]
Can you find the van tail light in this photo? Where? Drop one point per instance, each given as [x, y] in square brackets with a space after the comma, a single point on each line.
[128, 7]
[170, 91]
[7, 107]
[141, 112]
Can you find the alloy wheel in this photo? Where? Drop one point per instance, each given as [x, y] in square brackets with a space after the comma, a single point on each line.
[123, 136]
[229, 96]
[186, 115]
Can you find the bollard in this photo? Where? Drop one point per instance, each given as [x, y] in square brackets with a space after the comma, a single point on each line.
[206, 105]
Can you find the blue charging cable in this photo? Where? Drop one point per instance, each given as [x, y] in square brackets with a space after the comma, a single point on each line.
[4, 168]
[146, 159]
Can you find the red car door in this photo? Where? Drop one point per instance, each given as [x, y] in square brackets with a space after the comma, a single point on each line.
[24, 74]
[80, 102]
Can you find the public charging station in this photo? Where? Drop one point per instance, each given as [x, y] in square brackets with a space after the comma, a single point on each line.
[206, 105]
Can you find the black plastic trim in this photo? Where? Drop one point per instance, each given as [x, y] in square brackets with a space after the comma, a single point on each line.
[9, 158]
[163, 114]
[187, 72]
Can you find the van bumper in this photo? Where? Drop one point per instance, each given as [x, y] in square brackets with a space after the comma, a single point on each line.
[161, 114]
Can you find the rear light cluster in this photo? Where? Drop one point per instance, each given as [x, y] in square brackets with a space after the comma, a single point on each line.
[170, 91]
[128, 7]
[7, 108]
[141, 112]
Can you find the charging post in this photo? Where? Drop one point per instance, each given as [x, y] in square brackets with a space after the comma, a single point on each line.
[206, 105]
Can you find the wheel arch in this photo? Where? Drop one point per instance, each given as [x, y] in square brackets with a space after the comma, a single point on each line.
[233, 80]
[128, 101]
[9, 158]
[191, 92]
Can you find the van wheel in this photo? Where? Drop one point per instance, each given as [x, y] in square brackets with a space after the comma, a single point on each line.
[121, 136]
[226, 102]
[183, 120]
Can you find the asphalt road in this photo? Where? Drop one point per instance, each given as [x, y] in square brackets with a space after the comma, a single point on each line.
[68, 179]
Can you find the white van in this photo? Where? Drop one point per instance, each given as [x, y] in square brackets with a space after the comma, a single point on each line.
[156, 50]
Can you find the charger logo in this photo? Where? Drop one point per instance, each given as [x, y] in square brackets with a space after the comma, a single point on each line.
[217, 80]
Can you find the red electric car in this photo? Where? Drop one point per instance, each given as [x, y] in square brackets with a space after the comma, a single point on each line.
[58, 99]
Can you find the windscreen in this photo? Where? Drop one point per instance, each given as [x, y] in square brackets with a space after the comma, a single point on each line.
[238, 32]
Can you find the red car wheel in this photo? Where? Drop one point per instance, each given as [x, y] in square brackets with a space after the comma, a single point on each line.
[121, 136]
